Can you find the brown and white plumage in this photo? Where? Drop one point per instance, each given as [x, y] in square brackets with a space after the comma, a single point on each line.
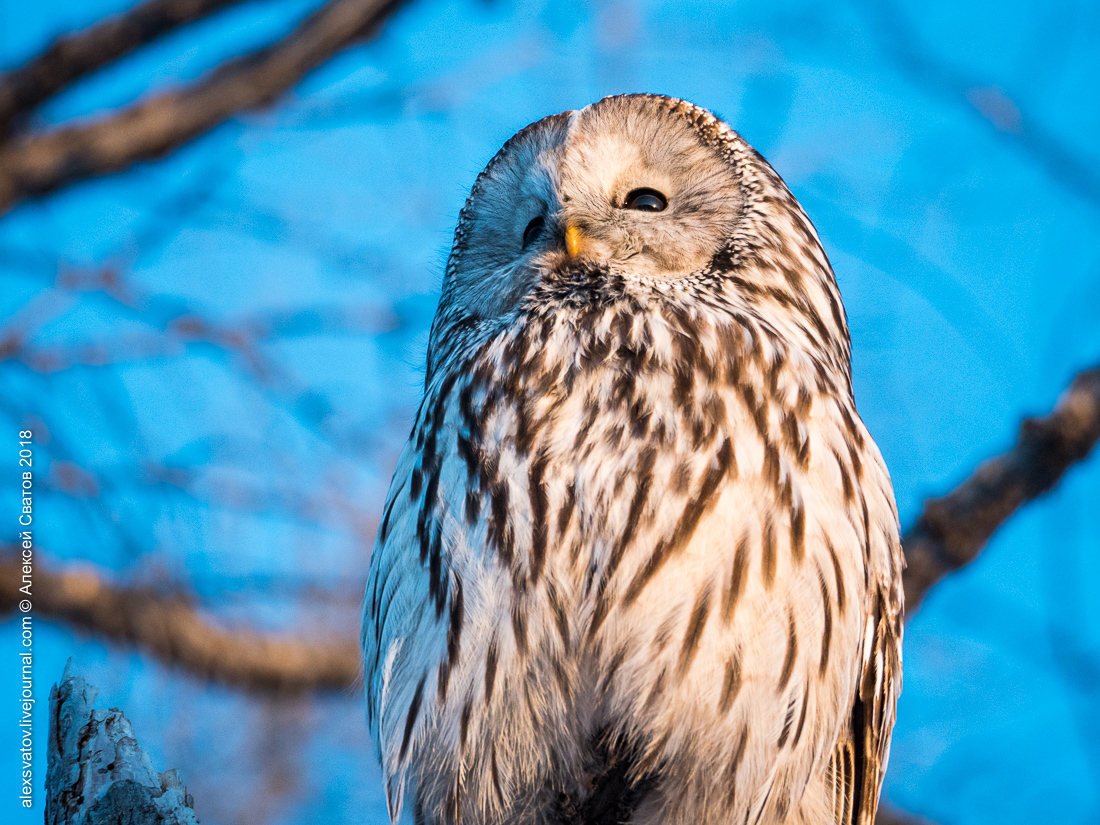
[640, 560]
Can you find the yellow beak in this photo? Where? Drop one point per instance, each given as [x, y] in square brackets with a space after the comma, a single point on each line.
[574, 240]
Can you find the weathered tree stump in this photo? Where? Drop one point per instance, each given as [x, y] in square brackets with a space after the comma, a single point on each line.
[97, 774]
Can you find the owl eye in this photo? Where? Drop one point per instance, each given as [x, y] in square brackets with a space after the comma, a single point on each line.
[646, 200]
[533, 230]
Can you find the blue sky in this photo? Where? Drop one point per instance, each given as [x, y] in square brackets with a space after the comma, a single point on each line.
[948, 154]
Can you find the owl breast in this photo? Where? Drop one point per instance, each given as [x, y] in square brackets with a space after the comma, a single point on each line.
[629, 543]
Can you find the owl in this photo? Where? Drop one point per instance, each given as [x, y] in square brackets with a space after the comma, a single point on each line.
[639, 561]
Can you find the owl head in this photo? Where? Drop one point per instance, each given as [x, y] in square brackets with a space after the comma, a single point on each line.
[648, 191]
[627, 184]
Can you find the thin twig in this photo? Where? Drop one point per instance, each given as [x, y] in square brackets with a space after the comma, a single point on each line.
[73, 56]
[952, 530]
[37, 164]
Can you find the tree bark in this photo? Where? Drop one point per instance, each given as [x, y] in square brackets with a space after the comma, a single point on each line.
[97, 774]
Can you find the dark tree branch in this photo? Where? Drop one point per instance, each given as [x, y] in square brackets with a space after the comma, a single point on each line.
[170, 628]
[952, 530]
[35, 165]
[73, 56]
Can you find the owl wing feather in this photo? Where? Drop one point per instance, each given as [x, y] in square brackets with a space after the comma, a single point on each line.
[859, 760]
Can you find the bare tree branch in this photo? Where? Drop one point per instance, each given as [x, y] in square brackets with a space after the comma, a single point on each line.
[37, 164]
[73, 56]
[170, 628]
[952, 530]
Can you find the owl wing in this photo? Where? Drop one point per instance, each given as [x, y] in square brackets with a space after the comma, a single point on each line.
[859, 760]
[396, 581]
[403, 628]
[417, 626]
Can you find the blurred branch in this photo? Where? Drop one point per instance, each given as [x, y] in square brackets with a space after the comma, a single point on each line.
[169, 627]
[37, 164]
[171, 336]
[952, 530]
[176, 327]
[73, 56]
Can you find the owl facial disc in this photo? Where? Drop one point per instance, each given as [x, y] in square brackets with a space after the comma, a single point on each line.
[625, 186]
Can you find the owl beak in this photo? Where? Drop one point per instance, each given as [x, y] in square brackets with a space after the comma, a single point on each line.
[574, 240]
